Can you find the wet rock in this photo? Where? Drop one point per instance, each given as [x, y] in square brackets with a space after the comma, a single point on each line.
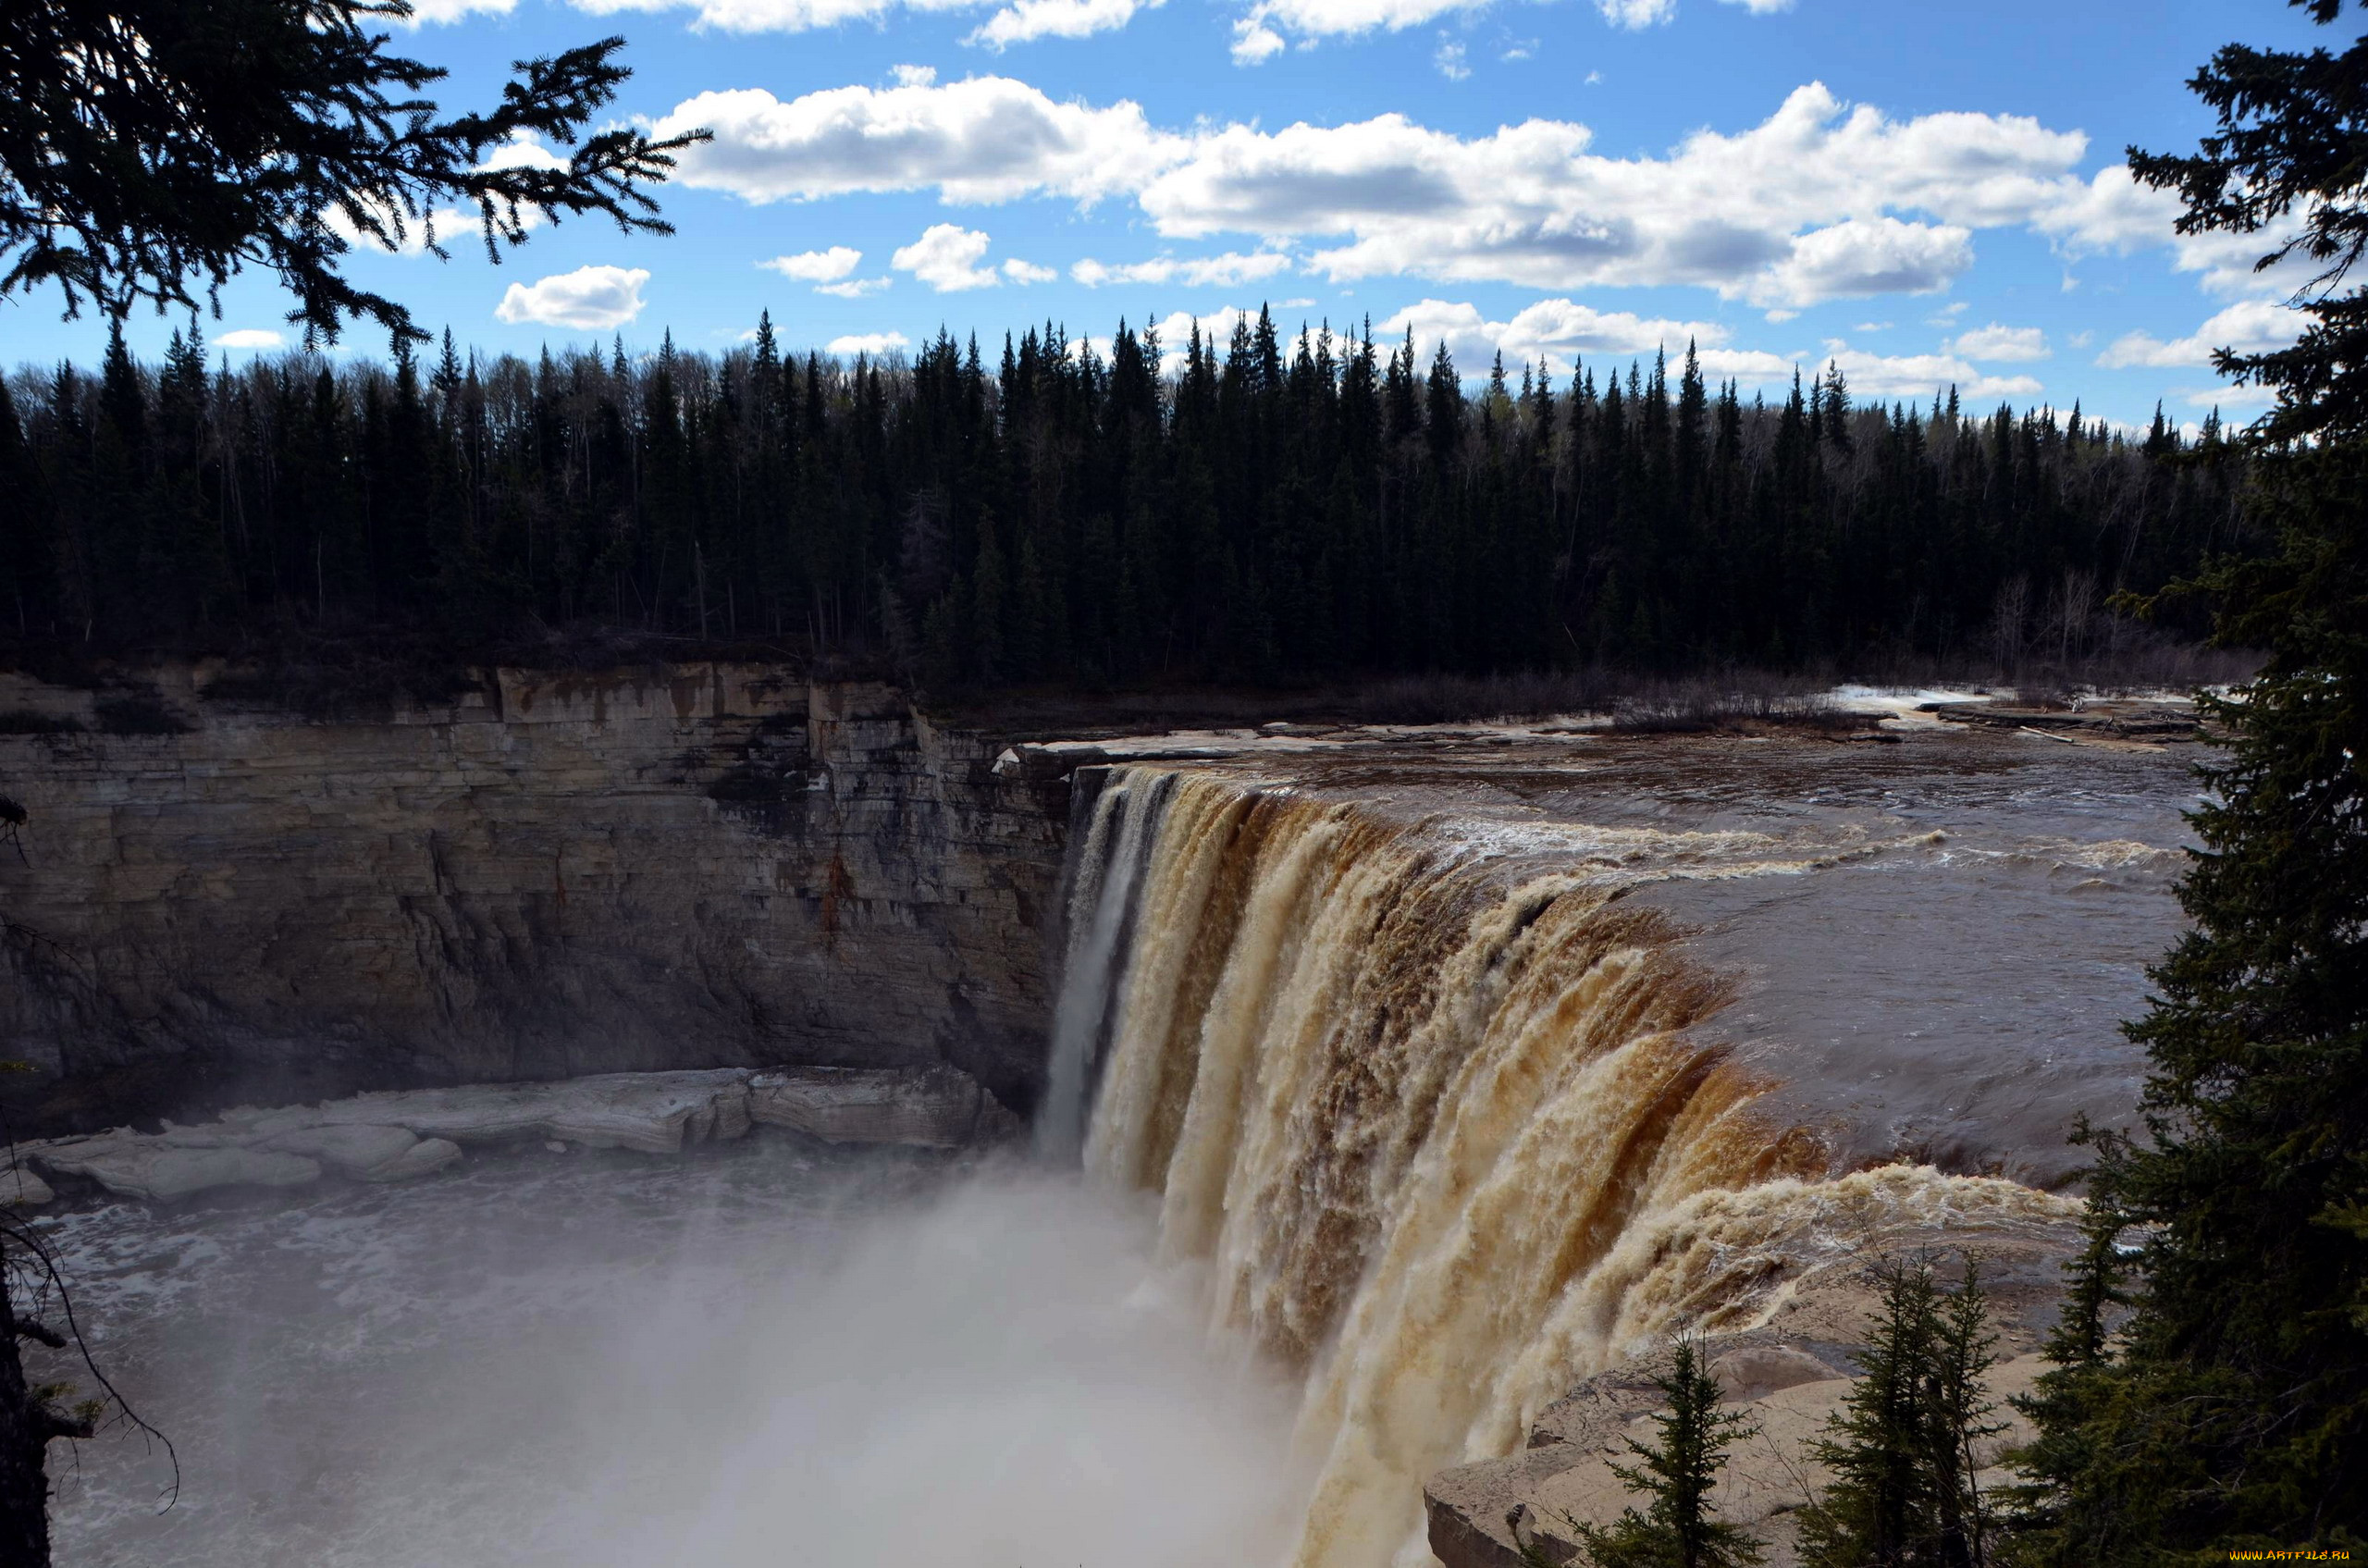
[655, 1113]
[22, 1188]
[357, 1152]
[1755, 1370]
[931, 1108]
[132, 1166]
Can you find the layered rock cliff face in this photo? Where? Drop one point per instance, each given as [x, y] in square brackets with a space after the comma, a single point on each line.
[698, 866]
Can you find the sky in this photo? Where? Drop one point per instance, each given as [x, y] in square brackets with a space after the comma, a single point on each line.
[1924, 195]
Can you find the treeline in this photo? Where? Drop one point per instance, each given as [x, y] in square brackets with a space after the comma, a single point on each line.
[1274, 509]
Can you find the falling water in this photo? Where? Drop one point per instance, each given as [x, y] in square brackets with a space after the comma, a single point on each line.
[1434, 1115]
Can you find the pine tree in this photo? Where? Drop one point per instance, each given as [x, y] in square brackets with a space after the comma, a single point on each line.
[1678, 1472]
[1906, 1447]
[2231, 1410]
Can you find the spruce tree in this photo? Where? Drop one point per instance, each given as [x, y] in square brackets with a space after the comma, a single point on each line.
[1677, 1473]
[1906, 1447]
[2231, 1410]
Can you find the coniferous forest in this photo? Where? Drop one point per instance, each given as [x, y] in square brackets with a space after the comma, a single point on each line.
[1279, 508]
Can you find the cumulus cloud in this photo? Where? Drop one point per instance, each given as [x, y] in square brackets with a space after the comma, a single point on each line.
[872, 343]
[817, 266]
[913, 76]
[589, 299]
[1824, 200]
[1448, 58]
[983, 140]
[1788, 211]
[1027, 272]
[1998, 344]
[1558, 331]
[1198, 272]
[2111, 213]
[1029, 20]
[854, 288]
[1253, 41]
[2247, 327]
[947, 257]
[250, 337]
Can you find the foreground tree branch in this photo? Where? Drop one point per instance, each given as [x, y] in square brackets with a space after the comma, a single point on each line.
[152, 151]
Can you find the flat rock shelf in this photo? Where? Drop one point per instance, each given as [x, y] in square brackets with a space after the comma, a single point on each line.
[399, 1134]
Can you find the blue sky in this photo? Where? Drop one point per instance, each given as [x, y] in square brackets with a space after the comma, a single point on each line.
[1927, 195]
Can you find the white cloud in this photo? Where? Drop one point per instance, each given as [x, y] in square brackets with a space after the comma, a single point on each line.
[1790, 212]
[985, 138]
[1216, 331]
[774, 15]
[872, 343]
[1822, 200]
[1920, 375]
[1861, 256]
[913, 76]
[425, 12]
[590, 298]
[523, 150]
[1260, 33]
[947, 257]
[1995, 343]
[1254, 42]
[1027, 19]
[250, 337]
[1560, 330]
[2110, 212]
[817, 266]
[448, 227]
[1635, 14]
[2233, 399]
[1448, 58]
[1197, 271]
[1027, 272]
[1557, 330]
[2247, 327]
[854, 288]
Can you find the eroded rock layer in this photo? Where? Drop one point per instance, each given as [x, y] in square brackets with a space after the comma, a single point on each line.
[551, 875]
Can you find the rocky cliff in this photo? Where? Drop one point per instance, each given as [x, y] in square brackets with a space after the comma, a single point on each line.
[693, 866]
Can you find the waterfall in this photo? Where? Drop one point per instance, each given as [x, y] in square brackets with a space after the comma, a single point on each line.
[1426, 1109]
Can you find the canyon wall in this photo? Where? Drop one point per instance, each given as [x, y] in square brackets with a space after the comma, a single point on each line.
[552, 874]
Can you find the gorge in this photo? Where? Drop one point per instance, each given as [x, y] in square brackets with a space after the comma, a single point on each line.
[1415, 1074]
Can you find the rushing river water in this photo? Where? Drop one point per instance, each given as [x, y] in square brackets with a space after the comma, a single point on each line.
[1409, 1083]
